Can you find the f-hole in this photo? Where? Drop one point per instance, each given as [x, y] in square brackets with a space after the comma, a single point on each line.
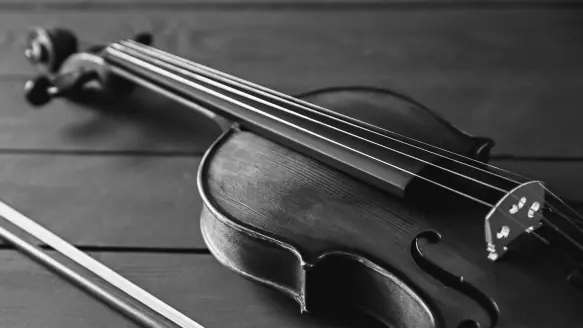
[451, 280]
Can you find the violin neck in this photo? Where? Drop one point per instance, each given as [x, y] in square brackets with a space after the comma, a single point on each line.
[339, 141]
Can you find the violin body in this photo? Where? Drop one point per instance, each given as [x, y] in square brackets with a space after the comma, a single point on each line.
[329, 240]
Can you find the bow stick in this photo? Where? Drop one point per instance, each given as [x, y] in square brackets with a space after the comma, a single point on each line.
[130, 310]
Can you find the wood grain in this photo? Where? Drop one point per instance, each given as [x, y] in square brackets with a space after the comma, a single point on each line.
[125, 201]
[196, 285]
[513, 81]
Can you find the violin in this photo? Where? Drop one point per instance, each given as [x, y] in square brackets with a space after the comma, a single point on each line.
[350, 199]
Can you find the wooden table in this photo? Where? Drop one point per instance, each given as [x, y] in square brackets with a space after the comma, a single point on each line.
[121, 181]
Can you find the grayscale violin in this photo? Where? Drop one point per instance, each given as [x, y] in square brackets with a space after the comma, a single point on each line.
[350, 199]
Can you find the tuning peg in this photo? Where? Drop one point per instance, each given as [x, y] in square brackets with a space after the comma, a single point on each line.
[49, 48]
[40, 91]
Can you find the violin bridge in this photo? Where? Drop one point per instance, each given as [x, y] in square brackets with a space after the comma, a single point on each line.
[520, 210]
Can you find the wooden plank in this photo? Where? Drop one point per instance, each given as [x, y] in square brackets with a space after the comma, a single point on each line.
[509, 80]
[196, 285]
[130, 201]
[95, 4]
[137, 201]
[32, 296]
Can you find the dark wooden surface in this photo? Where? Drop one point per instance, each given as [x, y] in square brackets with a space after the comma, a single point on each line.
[124, 177]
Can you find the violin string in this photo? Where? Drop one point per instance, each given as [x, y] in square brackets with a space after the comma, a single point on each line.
[186, 63]
[150, 67]
[523, 226]
[211, 82]
[549, 223]
[577, 220]
[321, 110]
[187, 82]
[570, 239]
[192, 76]
[302, 104]
[181, 63]
[575, 224]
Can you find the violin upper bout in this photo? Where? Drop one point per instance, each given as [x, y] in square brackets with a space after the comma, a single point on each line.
[384, 109]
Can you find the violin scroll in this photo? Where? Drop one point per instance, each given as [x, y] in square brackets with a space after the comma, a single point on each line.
[66, 72]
